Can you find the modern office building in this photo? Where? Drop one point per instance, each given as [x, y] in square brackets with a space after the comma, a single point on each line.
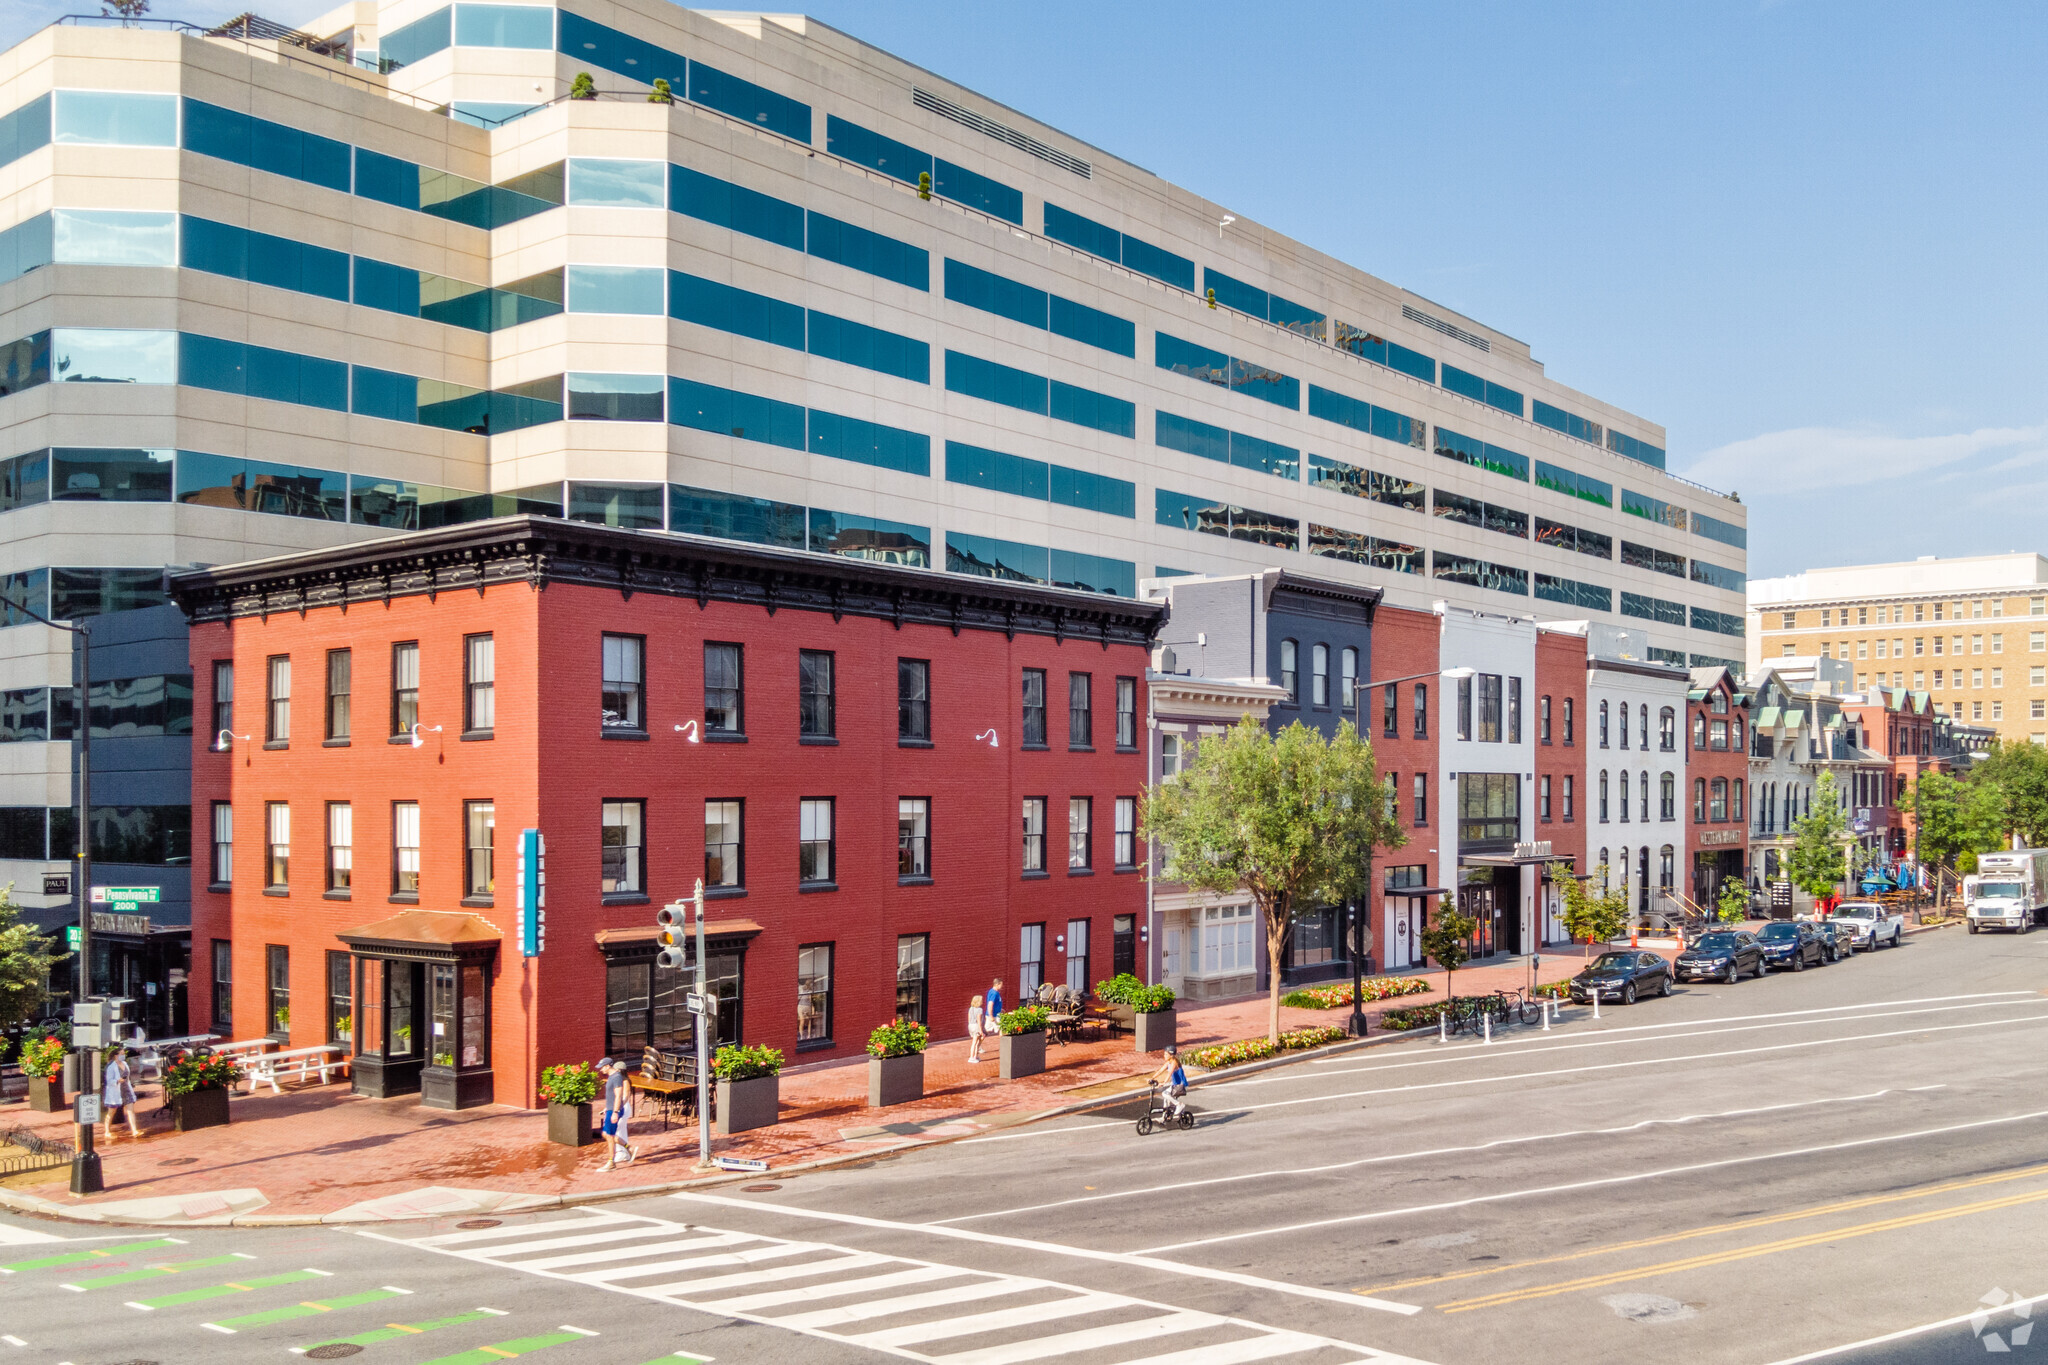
[1945, 627]
[264, 291]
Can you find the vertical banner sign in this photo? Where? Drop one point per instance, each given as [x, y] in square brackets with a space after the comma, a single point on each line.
[532, 896]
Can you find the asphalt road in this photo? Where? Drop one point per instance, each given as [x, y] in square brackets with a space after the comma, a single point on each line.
[1844, 1164]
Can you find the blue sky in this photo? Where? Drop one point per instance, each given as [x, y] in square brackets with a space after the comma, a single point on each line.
[1807, 237]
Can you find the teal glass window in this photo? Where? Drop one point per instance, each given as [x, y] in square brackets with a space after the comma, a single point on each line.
[748, 102]
[1219, 518]
[632, 506]
[98, 474]
[419, 39]
[1578, 540]
[1190, 437]
[697, 195]
[1362, 416]
[24, 130]
[1391, 354]
[114, 237]
[392, 288]
[1159, 263]
[866, 148]
[871, 348]
[1092, 573]
[691, 298]
[25, 363]
[1000, 473]
[254, 486]
[1098, 411]
[730, 516]
[1267, 457]
[1656, 609]
[616, 289]
[1714, 576]
[261, 372]
[116, 118]
[988, 557]
[1482, 390]
[1719, 622]
[985, 379]
[462, 304]
[28, 245]
[1094, 492]
[977, 191]
[707, 407]
[1092, 327]
[1478, 573]
[261, 258]
[872, 252]
[382, 393]
[870, 443]
[1570, 423]
[518, 406]
[1194, 361]
[1573, 485]
[1572, 593]
[83, 355]
[24, 480]
[1481, 455]
[1356, 482]
[870, 538]
[400, 506]
[1651, 509]
[522, 26]
[1233, 293]
[266, 146]
[1296, 317]
[26, 588]
[1726, 532]
[596, 45]
[1651, 558]
[1485, 515]
[615, 397]
[97, 592]
[1631, 448]
[1097, 239]
[1391, 556]
[995, 294]
[387, 179]
[596, 182]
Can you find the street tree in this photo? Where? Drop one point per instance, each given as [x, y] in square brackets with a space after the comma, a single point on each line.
[1815, 863]
[1448, 940]
[1952, 817]
[1732, 906]
[2014, 779]
[1595, 916]
[1292, 818]
[25, 959]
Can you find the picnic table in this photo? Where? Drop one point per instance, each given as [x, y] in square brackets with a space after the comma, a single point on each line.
[241, 1048]
[266, 1066]
[155, 1051]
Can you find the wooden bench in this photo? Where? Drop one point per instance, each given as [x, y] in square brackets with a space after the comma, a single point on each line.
[299, 1063]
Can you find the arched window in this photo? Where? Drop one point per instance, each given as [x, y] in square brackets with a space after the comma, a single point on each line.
[1604, 869]
[1717, 801]
[1624, 725]
[1643, 726]
[1319, 674]
[1603, 796]
[1603, 724]
[1571, 712]
[1643, 797]
[1667, 794]
[1738, 745]
[1699, 799]
[1347, 664]
[1667, 726]
[1719, 702]
[1699, 729]
[1667, 860]
[1736, 788]
[1621, 867]
[1290, 682]
[1624, 790]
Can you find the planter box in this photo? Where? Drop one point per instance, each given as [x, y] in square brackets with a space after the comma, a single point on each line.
[1119, 1016]
[895, 1080]
[747, 1104]
[569, 1124]
[47, 1097]
[1157, 1031]
[1023, 1055]
[200, 1109]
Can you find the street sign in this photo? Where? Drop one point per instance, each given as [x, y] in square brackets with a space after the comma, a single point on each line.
[697, 1004]
[530, 893]
[1781, 895]
[125, 900]
[56, 883]
[736, 1163]
[89, 1109]
[71, 937]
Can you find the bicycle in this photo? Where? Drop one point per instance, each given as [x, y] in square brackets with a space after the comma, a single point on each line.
[1156, 1110]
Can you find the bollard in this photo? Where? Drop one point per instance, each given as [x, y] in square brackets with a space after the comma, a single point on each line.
[1594, 991]
[1489, 1027]
[1547, 1003]
[1443, 1030]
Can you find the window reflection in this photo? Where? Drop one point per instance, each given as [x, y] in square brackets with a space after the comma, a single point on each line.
[616, 397]
[82, 355]
[87, 475]
[618, 184]
[114, 118]
[617, 289]
[114, 237]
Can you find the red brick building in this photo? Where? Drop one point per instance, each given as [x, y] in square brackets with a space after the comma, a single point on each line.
[842, 749]
[1899, 727]
[1560, 819]
[1404, 644]
[1717, 772]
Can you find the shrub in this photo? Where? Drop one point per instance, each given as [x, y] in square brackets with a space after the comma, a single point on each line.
[1555, 990]
[1024, 1019]
[1337, 995]
[1117, 990]
[900, 1039]
[570, 1083]
[1151, 999]
[42, 1058]
[196, 1071]
[1231, 1054]
[661, 94]
[745, 1063]
[1310, 1035]
[583, 87]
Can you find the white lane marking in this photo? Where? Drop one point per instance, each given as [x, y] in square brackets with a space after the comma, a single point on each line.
[393, 1289]
[1905, 1332]
[216, 1327]
[1199, 1272]
[1591, 1184]
[981, 1291]
[13, 1341]
[867, 1284]
[13, 1235]
[1088, 1339]
[626, 1253]
[1411, 1156]
[579, 1331]
[1041, 1132]
[995, 1320]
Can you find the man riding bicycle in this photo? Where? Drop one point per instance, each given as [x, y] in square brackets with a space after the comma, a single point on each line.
[1175, 1080]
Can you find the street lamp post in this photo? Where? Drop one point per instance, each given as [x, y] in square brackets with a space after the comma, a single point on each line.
[1359, 912]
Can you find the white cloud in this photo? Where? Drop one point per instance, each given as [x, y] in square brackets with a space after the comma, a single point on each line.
[1806, 459]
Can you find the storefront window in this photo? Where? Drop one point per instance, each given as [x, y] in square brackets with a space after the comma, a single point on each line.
[1227, 945]
[340, 1010]
[441, 995]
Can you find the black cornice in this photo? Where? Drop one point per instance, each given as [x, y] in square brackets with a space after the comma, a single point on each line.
[543, 550]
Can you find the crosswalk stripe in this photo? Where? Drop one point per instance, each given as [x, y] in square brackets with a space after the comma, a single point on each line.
[552, 1243]
[1089, 1339]
[983, 1291]
[723, 1239]
[688, 1289]
[452, 1239]
[752, 1256]
[1240, 1352]
[994, 1321]
[775, 1298]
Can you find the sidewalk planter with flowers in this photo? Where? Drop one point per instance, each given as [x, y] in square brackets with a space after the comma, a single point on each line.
[749, 1088]
[1114, 998]
[896, 1064]
[1023, 1040]
[569, 1088]
[42, 1061]
[199, 1086]
[1154, 1018]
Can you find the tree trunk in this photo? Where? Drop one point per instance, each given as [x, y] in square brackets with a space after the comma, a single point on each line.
[1276, 944]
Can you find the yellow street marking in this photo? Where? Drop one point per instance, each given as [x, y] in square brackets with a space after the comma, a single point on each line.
[509, 1355]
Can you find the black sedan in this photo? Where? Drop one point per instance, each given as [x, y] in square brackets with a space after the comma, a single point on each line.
[1722, 955]
[1792, 944]
[1623, 977]
[1839, 938]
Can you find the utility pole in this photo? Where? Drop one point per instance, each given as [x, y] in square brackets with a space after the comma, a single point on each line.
[703, 1040]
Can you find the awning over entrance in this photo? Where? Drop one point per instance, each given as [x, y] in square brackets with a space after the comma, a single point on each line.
[412, 931]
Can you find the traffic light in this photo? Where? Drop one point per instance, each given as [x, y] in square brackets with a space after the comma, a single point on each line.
[672, 937]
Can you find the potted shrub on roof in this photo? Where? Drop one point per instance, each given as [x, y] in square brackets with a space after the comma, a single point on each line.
[1154, 1017]
[569, 1088]
[896, 1063]
[1023, 1040]
[42, 1061]
[749, 1087]
[199, 1084]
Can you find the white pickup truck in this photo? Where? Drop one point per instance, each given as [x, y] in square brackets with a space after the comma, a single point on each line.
[1869, 924]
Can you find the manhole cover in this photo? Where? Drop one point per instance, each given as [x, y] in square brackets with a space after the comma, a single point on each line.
[333, 1350]
[760, 1189]
[179, 1161]
[467, 1223]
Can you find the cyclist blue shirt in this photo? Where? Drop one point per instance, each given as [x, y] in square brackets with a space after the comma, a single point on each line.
[1180, 1077]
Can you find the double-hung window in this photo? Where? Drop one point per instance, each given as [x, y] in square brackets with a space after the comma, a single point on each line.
[914, 699]
[722, 690]
[724, 843]
[1543, 719]
[816, 718]
[1127, 831]
[1543, 798]
[1571, 711]
[1421, 799]
[223, 985]
[1034, 708]
[223, 869]
[479, 683]
[623, 683]
[341, 845]
[1514, 710]
[223, 701]
[277, 719]
[1080, 711]
[1030, 959]
[340, 687]
[814, 835]
[277, 838]
[1319, 674]
[913, 836]
[405, 687]
[1034, 834]
[405, 848]
[814, 995]
[1489, 708]
[1126, 713]
[622, 852]
[1290, 679]
[1421, 691]
[913, 953]
[480, 822]
[1390, 710]
[1080, 832]
[1077, 955]
[1568, 784]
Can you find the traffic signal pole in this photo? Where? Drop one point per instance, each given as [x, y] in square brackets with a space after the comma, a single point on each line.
[86, 1177]
[703, 1042]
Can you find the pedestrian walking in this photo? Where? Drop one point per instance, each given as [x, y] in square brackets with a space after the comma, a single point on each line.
[618, 1108]
[994, 1009]
[974, 1029]
[117, 1094]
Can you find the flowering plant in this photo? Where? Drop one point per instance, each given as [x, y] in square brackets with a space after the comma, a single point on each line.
[1338, 994]
[570, 1083]
[1117, 990]
[900, 1039]
[1231, 1054]
[1024, 1019]
[1310, 1035]
[1413, 1016]
[42, 1058]
[195, 1071]
[746, 1063]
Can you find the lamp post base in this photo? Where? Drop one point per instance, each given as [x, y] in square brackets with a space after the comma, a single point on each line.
[1355, 1025]
[85, 1174]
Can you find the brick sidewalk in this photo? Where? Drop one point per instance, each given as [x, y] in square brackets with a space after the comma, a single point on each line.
[318, 1150]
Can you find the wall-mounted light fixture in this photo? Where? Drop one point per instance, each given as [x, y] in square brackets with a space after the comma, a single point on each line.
[688, 727]
[419, 734]
[224, 741]
[990, 736]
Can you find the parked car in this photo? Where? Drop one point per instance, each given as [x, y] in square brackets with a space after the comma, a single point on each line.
[1721, 955]
[1792, 944]
[1839, 939]
[1623, 977]
[1871, 924]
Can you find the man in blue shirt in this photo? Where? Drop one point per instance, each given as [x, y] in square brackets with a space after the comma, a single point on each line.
[994, 1005]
